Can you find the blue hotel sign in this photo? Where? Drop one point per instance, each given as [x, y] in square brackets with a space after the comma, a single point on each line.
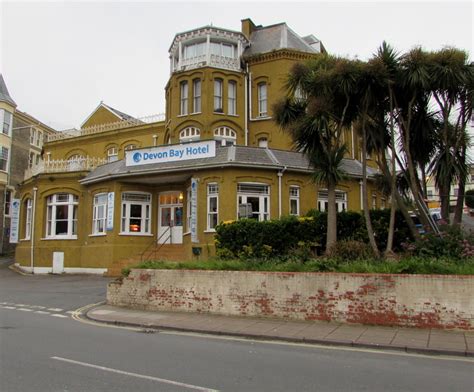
[172, 153]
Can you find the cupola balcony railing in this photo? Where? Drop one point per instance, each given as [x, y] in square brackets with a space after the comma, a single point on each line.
[64, 166]
[211, 60]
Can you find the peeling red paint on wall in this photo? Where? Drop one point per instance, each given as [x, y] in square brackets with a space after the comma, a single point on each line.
[405, 300]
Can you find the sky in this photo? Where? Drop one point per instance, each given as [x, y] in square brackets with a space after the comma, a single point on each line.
[59, 59]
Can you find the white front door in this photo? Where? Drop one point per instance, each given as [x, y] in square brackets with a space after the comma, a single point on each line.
[170, 219]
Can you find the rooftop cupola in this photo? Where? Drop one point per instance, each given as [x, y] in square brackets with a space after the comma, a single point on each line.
[207, 46]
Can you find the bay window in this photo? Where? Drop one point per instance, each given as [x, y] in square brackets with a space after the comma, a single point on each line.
[212, 206]
[218, 96]
[253, 201]
[61, 216]
[183, 98]
[232, 98]
[99, 214]
[197, 96]
[136, 213]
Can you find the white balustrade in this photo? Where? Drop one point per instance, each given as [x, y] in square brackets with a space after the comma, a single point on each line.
[63, 165]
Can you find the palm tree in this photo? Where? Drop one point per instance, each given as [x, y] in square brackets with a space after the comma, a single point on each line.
[317, 121]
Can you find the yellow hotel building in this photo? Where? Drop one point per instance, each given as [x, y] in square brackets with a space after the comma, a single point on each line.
[120, 189]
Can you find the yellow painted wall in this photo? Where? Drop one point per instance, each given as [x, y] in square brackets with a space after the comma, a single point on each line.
[101, 116]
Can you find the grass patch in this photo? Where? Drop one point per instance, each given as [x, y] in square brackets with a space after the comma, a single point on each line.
[410, 265]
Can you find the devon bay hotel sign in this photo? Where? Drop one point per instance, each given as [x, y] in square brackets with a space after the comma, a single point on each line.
[171, 153]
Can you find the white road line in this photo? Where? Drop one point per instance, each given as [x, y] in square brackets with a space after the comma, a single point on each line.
[170, 382]
[55, 309]
[42, 312]
[25, 309]
[37, 307]
[9, 307]
[71, 311]
[59, 315]
[20, 304]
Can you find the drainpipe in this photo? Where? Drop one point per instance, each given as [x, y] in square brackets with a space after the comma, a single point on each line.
[32, 228]
[247, 99]
[280, 175]
[361, 196]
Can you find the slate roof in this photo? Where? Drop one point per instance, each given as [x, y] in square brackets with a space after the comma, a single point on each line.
[230, 156]
[4, 94]
[279, 36]
[122, 115]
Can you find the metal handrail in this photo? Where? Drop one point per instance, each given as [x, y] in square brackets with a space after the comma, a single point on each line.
[156, 250]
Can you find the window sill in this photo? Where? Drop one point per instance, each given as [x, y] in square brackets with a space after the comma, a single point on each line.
[98, 235]
[210, 231]
[74, 237]
[187, 233]
[220, 113]
[182, 115]
[233, 115]
[25, 239]
[137, 234]
[194, 113]
[261, 118]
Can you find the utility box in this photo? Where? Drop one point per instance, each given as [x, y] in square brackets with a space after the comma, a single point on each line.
[58, 262]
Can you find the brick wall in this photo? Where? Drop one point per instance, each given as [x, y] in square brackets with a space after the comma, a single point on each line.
[425, 301]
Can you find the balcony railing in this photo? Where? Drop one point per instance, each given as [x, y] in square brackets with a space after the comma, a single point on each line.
[213, 60]
[64, 166]
[72, 133]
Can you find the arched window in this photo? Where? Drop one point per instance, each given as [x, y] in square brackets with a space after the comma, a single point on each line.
[29, 209]
[112, 154]
[225, 133]
[263, 142]
[130, 147]
[189, 134]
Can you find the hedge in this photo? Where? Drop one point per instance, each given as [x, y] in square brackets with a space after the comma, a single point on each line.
[280, 237]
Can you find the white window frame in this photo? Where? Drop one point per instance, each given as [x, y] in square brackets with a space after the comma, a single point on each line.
[225, 133]
[4, 157]
[32, 136]
[262, 96]
[189, 134]
[374, 201]
[295, 196]
[112, 154]
[197, 95]
[218, 92]
[263, 142]
[28, 215]
[6, 125]
[146, 212]
[212, 193]
[99, 223]
[130, 147]
[341, 200]
[183, 98]
[52, 204]
[232, 98]
[260, 191]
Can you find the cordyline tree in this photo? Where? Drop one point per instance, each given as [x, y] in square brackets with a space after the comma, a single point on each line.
[319, 105]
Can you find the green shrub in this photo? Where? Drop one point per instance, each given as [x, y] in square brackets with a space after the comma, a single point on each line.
[350, 250]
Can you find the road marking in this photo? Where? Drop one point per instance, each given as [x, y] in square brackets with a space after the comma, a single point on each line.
[37, 307]
[9, 307]
[42, 312]
[20, 305]
[25, 309]
[71, 311]
[55, 309]
[107, 369]
[59, 315]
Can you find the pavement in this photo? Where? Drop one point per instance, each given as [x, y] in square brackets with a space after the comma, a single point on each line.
[411, 340]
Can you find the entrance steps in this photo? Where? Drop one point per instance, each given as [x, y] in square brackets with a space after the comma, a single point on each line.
[160, 252]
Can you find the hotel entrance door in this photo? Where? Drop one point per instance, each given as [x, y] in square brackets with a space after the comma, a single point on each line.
[170, 219]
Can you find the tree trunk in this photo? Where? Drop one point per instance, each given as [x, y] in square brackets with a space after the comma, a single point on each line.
[331, 236]
[444, 198]
[365, 202]
[461, 193]
[423, 179]
[393, 184]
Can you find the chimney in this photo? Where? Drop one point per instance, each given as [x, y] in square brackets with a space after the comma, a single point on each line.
[247, 27]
